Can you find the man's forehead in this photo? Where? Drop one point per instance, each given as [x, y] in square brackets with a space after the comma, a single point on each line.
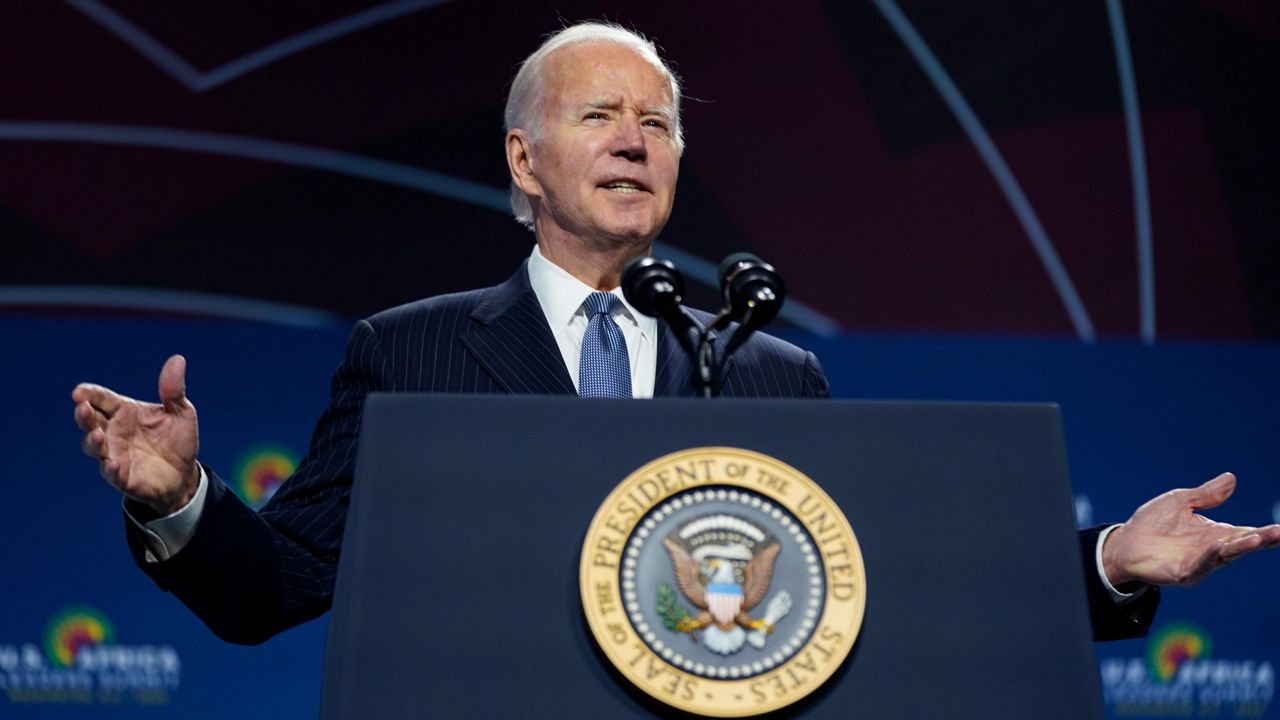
[598, 73]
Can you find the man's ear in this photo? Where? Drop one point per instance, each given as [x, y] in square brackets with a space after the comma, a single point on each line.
[520, 163]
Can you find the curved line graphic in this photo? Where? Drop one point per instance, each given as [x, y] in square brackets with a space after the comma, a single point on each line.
[1137, 173]
[353, 165]
[169, 301]
[708, 273]
[197, 81]
[147, 46]
[995, 164]
[211, 143]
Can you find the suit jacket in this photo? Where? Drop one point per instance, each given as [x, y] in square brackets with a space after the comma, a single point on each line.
[248, 575]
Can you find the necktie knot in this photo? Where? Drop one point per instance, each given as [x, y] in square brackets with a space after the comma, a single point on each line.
[598, 303]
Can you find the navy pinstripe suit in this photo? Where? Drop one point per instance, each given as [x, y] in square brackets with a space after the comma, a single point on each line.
[249, 574]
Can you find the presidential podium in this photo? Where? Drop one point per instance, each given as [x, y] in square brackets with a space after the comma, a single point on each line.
[459, 592]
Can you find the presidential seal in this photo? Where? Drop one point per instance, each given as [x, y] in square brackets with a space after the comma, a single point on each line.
[722, 582]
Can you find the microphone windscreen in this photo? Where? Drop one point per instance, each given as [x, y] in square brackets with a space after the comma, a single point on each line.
[728, 265]
[652, 286]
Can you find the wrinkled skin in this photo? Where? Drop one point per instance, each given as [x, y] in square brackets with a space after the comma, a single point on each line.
[1167, 542]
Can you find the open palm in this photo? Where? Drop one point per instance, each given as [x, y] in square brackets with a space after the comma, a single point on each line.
[1167, 542]
[146, 450]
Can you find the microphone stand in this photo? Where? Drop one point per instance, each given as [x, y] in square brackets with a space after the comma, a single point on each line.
[699, 341]
[654, 287]
[753, 292]
[708, 376]
[696, 339]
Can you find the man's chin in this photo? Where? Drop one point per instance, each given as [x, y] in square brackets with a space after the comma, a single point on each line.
[632, 228]
[602, 230]
[631, 235]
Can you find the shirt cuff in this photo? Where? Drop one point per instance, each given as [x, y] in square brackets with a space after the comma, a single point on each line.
[166, 536]
[1120, 598]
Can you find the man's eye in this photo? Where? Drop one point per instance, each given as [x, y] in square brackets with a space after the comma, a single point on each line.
[595, 116]
[658, 124]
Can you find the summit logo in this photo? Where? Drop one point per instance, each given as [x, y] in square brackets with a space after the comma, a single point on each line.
[1180, 676]
[81, 663]
[260, 473]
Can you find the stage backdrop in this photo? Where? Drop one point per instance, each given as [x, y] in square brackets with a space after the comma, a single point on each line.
[85, 634]
[1079, 169]
[1007, 200]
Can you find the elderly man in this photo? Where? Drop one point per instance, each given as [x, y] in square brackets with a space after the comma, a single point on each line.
[593, 144]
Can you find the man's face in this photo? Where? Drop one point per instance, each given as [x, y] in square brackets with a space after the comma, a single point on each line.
[605, 159]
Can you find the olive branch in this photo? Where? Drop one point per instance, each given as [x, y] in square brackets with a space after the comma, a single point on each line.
[670, 610]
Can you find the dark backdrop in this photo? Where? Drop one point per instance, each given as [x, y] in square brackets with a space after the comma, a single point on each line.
[1073, 202]
[176, 145]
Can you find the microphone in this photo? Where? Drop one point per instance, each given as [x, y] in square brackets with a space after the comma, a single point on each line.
[654, 287]
[753, 291]
[753, 294]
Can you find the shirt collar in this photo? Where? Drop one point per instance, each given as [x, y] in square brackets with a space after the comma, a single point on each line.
[561, 295]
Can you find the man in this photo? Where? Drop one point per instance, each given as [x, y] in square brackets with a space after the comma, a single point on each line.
[593, 144]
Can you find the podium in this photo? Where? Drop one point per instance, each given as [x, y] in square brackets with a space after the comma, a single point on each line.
[458, 586]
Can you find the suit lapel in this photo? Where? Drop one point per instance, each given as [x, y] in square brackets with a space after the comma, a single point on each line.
[513, 342]
[675, 366]
[674, 377]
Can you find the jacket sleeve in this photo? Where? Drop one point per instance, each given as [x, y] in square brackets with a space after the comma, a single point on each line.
[249, 575]
[815, 381]
[1112, 621]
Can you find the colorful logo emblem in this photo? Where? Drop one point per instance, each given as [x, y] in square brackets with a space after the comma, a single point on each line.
[74, 629]
[709, 575]
[261, 471]
[1173, 646]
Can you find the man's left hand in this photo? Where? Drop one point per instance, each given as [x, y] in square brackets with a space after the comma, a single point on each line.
[1167, 543]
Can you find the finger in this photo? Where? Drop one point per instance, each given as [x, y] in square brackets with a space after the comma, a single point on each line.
[1240, 546]
[115, 471]
[1270, 536]
[94, 444]
[173, 384]
[110, 471]
[1212, 493]
[102, 399]
[87, 418]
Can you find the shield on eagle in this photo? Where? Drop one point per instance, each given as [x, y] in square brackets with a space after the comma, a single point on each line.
[723, 564]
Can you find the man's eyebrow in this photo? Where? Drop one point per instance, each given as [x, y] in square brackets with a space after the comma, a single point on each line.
[664, 111]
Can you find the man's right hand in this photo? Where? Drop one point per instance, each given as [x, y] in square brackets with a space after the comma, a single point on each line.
[145, 450]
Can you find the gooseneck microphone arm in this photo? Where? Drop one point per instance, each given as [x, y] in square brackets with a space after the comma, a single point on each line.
[656, 288]
[753, 294]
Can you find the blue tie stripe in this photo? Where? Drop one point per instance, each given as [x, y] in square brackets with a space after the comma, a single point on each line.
[603, 369]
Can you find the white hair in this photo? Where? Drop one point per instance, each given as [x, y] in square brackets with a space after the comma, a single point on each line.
[525, 102]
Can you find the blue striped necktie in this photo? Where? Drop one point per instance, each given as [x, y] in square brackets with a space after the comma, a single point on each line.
[603, 368]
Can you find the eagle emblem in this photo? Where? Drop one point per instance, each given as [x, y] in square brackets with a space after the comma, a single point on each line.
[723, 565]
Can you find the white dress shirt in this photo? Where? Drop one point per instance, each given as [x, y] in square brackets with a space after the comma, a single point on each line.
[561, 296]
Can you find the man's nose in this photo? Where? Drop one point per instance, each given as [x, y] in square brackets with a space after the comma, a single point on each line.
[629, 139]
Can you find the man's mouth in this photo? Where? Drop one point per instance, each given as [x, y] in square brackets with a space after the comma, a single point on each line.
[624, 186]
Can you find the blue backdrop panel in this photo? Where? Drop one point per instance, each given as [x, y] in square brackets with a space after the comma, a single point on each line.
[1138, 421]
[253, 385]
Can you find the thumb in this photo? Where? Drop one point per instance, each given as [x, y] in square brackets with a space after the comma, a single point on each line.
[1212, 493]
[173, 384]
